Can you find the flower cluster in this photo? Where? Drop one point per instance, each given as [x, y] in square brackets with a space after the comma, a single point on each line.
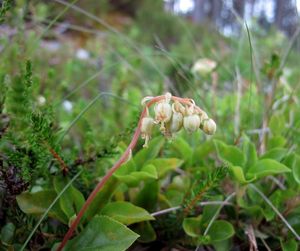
[173, 114]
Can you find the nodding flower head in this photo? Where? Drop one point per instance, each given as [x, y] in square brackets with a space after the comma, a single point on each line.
[209, 126]
[173, 113]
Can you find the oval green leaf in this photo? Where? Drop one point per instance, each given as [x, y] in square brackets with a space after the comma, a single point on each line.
[277, 153]
[182, 149]
[249, 151]
[165, 165]
[150, 152]
[192, 226]
[230, 154]
[290, 245]
[267, 167]
[105, 234]
[147, 172]
[126, 213]
[71, 200]
[238, 174]
[220, 230]
[37, 203]
[146, 232]
[7, 233]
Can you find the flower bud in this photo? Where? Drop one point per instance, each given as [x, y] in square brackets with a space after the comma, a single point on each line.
[147, 125]
[177, 107]
[163, 112]
[209, 126]
[175, 123]
[191, 122]
[146, 129]
[204, 66]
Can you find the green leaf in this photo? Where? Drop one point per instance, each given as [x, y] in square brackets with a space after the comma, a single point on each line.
[224, 245]
[276, 198]
[202, 151]
[296, 169]
[180, 183]
[71, 200]
[37, 203]
[126, 213]
[266, 167]
[126, 168]
[250, 153]
[277, 124]
[238, 174]
[146, 232]
[105, 234]
[7, 233]
[230, 154]
[163, 165]
[182, 149]
[133, 178]
[147, 197]
[192, 226]
[220, 230]
[210, 210]
[150, 152]
[174, 197]
[103, 197]
[290, 245]
[294, 220]
[277, 153]
[276, 141]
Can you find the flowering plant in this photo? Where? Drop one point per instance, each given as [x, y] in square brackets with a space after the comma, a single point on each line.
[183, 112]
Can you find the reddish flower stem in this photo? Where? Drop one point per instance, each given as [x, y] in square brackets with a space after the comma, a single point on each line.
[116, 166]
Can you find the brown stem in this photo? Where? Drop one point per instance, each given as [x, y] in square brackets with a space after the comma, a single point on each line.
[198, 197]
[62, 164]
[115, 167]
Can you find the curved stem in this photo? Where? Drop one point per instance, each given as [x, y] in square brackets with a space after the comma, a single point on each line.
[115, 167]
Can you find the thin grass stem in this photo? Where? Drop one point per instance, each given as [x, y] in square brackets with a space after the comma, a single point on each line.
[217, 213]
[204, 203]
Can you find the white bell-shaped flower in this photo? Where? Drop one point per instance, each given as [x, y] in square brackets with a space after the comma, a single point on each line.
[146, 129]
[163, 112]
[176, 122]
[209, 126]
[191, 122]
